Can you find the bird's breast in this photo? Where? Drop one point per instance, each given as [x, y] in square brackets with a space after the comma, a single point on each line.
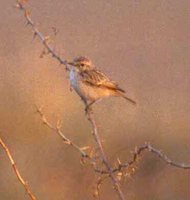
[73, 76]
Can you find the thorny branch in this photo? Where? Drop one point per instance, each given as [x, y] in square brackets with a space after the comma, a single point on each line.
[57, 129]
[109, 172]
[67, 141]
[16, 171]
[98, 185]
[103, 155]
[44, 39]
[137, 153]
[83, 153]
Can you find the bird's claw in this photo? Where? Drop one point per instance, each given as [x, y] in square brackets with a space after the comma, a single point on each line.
[88, 109]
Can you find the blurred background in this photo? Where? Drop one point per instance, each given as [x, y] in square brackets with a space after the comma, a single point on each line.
[143, 45]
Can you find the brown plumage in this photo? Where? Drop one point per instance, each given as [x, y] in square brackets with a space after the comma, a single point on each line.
[92, 84]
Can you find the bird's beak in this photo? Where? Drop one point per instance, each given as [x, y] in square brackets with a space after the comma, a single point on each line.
[71, 63]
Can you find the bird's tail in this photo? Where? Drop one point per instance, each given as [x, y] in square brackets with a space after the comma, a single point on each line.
[121, 92]
[130, 100]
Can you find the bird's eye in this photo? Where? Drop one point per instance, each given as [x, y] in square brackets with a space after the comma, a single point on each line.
[82, 65]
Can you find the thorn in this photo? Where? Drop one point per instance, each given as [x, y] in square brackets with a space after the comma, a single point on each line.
[119, 176]
[68, 142]
[43, 53]
[58, 125]
[55, 31]
[118, 160]
[84, 148]
[34, 35]
[27, 13]
[82, 161]
[17, 6]
[44, 120]
[47, 39]
[91, 154]
[39, 109]
[28, 23]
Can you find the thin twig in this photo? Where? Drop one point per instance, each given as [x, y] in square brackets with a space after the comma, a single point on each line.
[138, 151]
[16, 171]
[44, 39]
[98, 185]
[60, 133]
[68, 141]
[103, 155]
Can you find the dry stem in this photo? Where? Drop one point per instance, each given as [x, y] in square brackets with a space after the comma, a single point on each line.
[44, 39]
[60, 133]
[16, 171]
[103, 155]
[138, 151]
[99, 144]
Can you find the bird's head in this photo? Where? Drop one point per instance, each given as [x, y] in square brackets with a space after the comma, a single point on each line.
[82, 63]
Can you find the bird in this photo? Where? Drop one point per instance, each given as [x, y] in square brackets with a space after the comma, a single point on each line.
[92, 84]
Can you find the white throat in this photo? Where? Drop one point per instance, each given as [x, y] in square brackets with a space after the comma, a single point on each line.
[73, 76]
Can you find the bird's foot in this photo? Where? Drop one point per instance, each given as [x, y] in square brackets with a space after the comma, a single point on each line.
[88, 109]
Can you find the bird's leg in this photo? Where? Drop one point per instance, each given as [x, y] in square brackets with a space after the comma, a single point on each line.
[88, 106]
[85, 103]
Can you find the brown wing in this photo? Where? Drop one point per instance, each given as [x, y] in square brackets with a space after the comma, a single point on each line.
[98, 79]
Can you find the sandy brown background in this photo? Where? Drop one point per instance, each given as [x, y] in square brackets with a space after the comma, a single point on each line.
[142, 44]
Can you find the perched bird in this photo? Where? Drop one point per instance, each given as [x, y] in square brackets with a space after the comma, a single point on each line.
[91, 84]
